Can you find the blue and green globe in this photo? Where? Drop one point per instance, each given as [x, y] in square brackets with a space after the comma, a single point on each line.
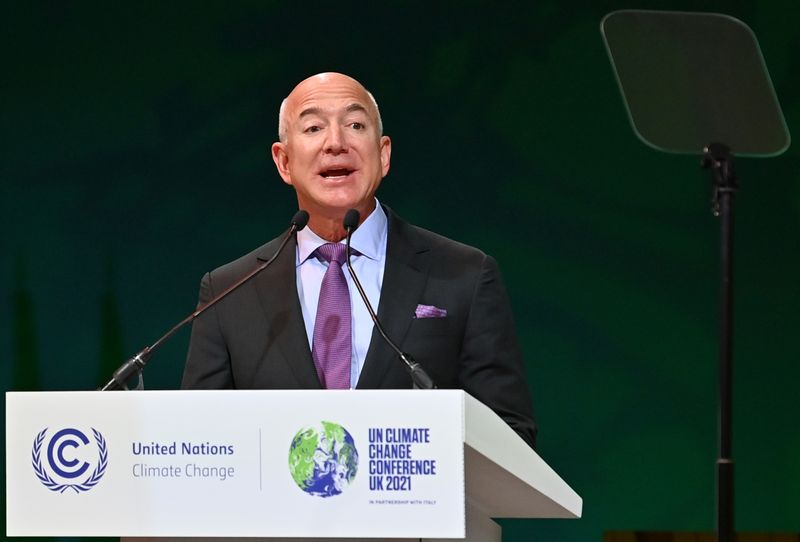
[323, 460]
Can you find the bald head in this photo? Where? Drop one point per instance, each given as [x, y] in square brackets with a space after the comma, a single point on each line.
[326, 78]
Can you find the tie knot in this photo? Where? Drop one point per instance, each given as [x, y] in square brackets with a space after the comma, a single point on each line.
[332, 252]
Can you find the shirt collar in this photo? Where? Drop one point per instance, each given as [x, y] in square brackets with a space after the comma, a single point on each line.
[367, 239]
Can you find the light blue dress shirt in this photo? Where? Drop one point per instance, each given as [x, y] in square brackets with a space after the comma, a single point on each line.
[370, 241]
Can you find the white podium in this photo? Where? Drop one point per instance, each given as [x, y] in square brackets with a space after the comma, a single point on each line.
[399, 464]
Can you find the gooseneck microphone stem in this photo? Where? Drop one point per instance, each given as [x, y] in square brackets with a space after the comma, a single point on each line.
[135, 365]
[419, 377]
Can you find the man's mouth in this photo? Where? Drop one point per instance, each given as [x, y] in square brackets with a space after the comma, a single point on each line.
[336, 172]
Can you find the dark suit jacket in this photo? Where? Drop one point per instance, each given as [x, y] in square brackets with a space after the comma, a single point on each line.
[255, 338]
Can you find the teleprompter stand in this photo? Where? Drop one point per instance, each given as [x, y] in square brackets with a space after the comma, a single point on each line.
[696, 83]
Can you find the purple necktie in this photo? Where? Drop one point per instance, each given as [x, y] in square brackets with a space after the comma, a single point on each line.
[332, 347]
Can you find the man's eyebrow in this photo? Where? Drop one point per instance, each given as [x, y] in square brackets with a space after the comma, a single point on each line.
[356, 107]
[318, 111]
[310, 111]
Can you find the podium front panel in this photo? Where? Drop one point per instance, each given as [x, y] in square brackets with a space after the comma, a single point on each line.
[354, 464]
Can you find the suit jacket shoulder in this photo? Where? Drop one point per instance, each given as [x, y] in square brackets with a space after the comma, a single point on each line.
[227, 274]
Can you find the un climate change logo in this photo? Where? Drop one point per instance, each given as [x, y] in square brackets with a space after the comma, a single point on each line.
[323, 460]
[64, 465]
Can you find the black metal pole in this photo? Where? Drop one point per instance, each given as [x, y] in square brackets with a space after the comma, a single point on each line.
[725, 461]
[719, 159]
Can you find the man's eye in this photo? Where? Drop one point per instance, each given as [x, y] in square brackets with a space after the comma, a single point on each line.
[312, 129]
[356, 126]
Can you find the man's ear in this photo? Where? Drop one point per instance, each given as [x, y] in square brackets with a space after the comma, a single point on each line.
[386, 154]
[281, 159]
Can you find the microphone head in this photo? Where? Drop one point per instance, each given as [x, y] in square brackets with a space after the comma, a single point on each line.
[351, 219]
[300, 219]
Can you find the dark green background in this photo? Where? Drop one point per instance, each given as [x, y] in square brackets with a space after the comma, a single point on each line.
[135, 157]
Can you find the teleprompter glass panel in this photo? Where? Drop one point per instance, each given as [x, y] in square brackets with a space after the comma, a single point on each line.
[690, 79]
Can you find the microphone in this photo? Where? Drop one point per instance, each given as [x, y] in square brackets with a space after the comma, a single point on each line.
[420, 378]
[136, 364]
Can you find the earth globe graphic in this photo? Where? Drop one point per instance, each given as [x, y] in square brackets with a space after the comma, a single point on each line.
[323, 460]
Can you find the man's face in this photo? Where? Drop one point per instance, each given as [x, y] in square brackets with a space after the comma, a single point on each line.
[332, 153]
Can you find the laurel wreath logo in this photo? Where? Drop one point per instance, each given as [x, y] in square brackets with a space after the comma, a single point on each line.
[87, 484]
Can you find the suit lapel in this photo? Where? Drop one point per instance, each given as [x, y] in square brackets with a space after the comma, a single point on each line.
[277, 292]
[404, 279]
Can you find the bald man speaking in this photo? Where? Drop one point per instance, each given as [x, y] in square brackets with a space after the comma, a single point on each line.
[301, 324]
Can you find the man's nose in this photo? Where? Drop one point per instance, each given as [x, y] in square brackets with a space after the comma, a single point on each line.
[336, 142]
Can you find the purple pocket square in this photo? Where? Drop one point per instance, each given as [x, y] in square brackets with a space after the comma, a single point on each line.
[429, 311]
